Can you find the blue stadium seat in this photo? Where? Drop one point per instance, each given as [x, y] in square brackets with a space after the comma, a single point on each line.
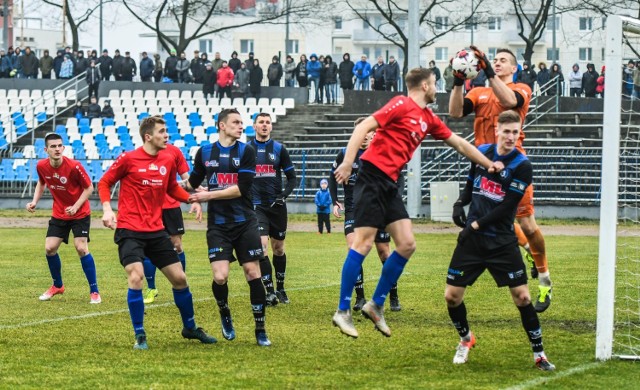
[116, 151]
[168, 115]
[205, 142]
[122, 130]
[22, 173]
[3, 143]
[171, 122]
[21, 129]
[41, 117]
[143, 115]
[173, 129]
[33, 172]
[18, 155]
[38, 143]
[193, 116]
[108, 122]
[173, 137]
[61, 129]
[211, 130]
[84, 129]
[99, 137]
[190, 140]
[104, 152]
[84, 122]
[128, 146]
[195, 122]
[124, 137]
[250, 131]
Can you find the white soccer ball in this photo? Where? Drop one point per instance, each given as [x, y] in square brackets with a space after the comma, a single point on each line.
[466, 63]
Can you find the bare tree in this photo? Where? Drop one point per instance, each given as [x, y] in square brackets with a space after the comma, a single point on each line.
[77, 13]
[194, 19]
[532, 22]
[393, 17]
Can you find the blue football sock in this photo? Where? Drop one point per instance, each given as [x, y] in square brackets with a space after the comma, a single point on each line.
[89, 268]
[55, 268]
[391, 271]
[149, 273]
[184, 301]
[350, 271]
[136, 310]
[183, 261]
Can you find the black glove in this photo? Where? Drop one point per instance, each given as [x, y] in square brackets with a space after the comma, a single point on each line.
[278, 202]
[484, 62]
[459, 217]
[464, 234]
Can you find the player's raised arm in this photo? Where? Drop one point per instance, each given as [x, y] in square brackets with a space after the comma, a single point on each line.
[463, 147]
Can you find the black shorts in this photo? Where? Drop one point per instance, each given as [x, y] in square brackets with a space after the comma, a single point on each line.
[61, 227]
[133, 247]
[476, 254]
[272, 221]
[242, 237]
[381, 235]
[172, 221]
[377, 198]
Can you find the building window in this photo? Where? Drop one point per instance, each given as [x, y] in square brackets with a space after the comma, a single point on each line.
[586, 24]
[551, 25]
[337, 23]
[551, 57]
[472, 22]
[246, 45]
[206, 45]
[366, 52]
[442, 23]
[378, 52]
[520, 54]
[491, 53]
[442, 54]
[495, 23]
[293, 47]
[585, 54]
[365, 23]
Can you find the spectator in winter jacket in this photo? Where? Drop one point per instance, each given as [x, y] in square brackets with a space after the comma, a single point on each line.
[590, 81]
[129, 68]
[241, 80]
[448, 77]
[224, 80]
[106, 65]
[182, 67]
[249, 63]
[479, 81]
[170, 67]
[556, 74]
[29, 63]
[197, 67]
[157, 68]
[57, 63]
[600, 82]
[93, 78]
[217, 62]
[436, 72]
[301, 72]
[543, 76]
[46, 65]
[78, 111]
[377, 74]
[16, 64]
[345, 72]
[527, 75]
[331, 80]
[116, 65]
[362, 71]
[5, 65]
[322, 79]
[234, 62]
[289, 72]
[209, 79]
[94, 110]
[107, 110]
[274, 72]
[323, 206]
[627, 80]
[391, 74]
[255, 79]
[66, 69]
[575, 81]
[146, 67]
[81, 64]
[313, 71]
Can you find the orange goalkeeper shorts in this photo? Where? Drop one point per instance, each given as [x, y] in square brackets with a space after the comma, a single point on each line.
[525, 207]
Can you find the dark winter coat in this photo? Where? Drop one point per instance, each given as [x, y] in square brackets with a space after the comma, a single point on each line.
[94, 110]
[81, 65]
[197, 69]
[255, 79]
[57, 63]
[146, 67]
[392, 71]
[116, 65]
[208, 81]
[234, 63]
[330, 72]
[170, 65]
[590, 80]
[93, 76]
[301, 73]
[527, 76]
[106, 64]
[543, 76]
[29, 63]
[128, 67]
[46, 64]
[345, 72]
[274, 72]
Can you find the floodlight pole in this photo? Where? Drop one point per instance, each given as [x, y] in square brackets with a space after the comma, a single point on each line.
[414, 171]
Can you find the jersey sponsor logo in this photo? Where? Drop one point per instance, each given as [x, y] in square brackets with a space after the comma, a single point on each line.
[262, 150]
[163, 170]
[516, 185]
[236, 161]
[56, 176]
[489, 188]
[142, 170]
[145, 182]
[516, 275]
[255, 252]
[265, 170]
[211, 164]
[223, 180]
[213, 252]
[224, 155]
[153, 167]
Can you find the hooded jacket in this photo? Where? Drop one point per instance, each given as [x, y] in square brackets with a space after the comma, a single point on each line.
[543, 76]
[234, 63]
[313, 67]
[575, 77]
[362, 70]
[590, 80]
[323, 201]
[345, 71]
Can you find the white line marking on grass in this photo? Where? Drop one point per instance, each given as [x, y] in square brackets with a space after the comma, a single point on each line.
[147, 307]
[561, 374]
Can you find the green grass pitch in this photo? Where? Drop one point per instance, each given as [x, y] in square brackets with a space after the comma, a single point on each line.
[67, 343]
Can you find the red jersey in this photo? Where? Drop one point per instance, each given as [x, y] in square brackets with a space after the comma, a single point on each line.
[487, 108]
[182, 167]
[403, 125]
[66, 183]
[144, 182]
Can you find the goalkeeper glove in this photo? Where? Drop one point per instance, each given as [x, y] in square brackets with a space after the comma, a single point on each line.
[459, 217]
[278, 202]
[484, 63]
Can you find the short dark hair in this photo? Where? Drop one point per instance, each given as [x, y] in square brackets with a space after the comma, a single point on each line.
[416, 76]
[148, 124]
[222, 115]
[509, 116]
[261, 114]
[505, 50]
[51, 137]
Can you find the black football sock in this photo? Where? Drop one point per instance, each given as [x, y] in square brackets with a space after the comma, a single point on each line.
[393, 293]
[360, 284]
[221, 294]
[265, 271]
[458, 316]
[531, 325]
[258, 299]
[280, 266]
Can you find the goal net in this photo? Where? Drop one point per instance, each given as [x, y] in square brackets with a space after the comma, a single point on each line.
[618, 312]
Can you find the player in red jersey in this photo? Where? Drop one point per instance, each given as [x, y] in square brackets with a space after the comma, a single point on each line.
[146, 175]
[70, 187]
[401, 125]
[173, 224]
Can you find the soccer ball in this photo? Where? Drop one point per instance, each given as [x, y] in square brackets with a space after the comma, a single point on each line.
[466, 62]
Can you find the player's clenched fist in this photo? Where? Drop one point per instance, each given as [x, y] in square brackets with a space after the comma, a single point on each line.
[343, 172]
